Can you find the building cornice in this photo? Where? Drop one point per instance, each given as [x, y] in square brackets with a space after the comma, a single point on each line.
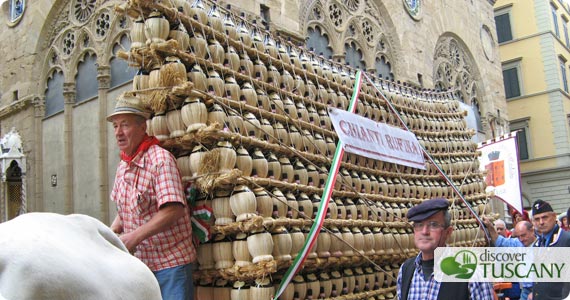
[503, 7]
[549, 32]
[557, 90]
[546, 171]
[16, 106]
[530, 36]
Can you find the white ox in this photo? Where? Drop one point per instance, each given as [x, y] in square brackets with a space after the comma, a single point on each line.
[51, 256]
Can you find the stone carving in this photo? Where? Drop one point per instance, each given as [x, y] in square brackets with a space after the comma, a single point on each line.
[352, 29]
[367, 31]
[453, 68]
[103, 24]
[335, 14]
[83, 9]
[99, 26]
[317, 13]
[68, 43]
[352, 4]
[488, 43]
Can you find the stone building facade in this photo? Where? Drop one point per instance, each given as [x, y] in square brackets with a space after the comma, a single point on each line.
[61, 75]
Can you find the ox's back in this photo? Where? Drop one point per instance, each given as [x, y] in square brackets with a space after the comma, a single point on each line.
[50, 256]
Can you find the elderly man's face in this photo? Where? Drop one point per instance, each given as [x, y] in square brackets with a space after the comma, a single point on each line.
[430, 234]
[544, 222]
[501, 229]
[129, 130]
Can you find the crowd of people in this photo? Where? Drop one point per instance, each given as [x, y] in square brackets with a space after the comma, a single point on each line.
[432, 228]
[524, 234]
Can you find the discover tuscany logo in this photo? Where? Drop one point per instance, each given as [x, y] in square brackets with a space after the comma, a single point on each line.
[495, 264]
[462, 265]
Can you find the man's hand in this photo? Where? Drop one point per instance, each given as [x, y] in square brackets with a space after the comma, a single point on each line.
[117, 226]
[130, 240]
[491, 228]
[167, 215]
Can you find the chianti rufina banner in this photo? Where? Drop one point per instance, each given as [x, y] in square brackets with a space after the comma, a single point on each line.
[499, 160]
[375, 140]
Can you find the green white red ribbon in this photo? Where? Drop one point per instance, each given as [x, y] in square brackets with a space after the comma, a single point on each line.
[323, 206]
[199, 216]
[200, 228]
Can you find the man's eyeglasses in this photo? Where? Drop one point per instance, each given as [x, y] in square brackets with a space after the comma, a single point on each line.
[432, 226]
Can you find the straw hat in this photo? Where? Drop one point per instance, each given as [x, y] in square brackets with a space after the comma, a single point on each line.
[127, 104]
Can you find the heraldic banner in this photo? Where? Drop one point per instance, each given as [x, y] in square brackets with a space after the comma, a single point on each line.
[499, 160]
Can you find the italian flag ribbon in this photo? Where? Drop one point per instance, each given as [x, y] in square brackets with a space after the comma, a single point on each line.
[199, 216]
[200, 228]
[325, 198]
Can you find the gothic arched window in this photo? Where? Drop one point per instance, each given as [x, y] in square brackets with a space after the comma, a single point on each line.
[86, 83]
[54, 93]
[354, 56]
[121, 72]
[319, 42]
[383, 68]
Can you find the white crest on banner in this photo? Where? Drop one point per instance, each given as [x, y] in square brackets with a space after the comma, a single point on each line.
[375, 140]
[499, 160]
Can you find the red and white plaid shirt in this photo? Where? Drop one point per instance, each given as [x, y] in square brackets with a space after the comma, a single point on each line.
[141, 187]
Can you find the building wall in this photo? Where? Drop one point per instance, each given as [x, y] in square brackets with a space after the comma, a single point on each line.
[78, 145]
[86, 193]
[543, 102]
[551, 186]
[53, 194]
[540, 132]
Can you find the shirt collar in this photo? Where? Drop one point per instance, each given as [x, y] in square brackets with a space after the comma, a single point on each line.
[418, 264]
[138, 161]
[418, 261]
[549, 237]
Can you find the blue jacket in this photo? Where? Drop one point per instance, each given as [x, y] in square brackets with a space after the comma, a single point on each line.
[508, 242]
[553, 290]
[511, 242]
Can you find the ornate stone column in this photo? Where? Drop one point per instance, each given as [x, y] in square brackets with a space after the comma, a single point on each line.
[69, 101]
[24, 207]
[37, 203]
[3, 202]
[104, 79]
[339, 58]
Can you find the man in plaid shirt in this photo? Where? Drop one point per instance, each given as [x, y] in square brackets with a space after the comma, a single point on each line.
[153, 221]
[432, 227]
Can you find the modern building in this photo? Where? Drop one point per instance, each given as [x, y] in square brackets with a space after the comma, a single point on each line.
[61, 75]
[534, 48]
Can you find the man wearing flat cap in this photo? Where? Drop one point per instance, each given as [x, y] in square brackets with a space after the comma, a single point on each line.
[432, 227]
[152, 220]
[549, 234]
